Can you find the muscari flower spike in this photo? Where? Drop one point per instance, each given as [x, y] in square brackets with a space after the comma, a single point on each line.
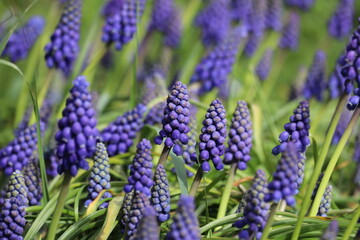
[121, 26]
[325, 203]
[284, 183]
[274, 15]
[63, 48]
[256, 209]
[240, 137]
[140, 178]
[301, 4]
[185, 225]
[176, 119]
[16, 155]
[99, 176]
[297, 130]
[213, 136]
[119, 135]
[12, 215]
[189, 150]
[331, 232]
[356, 159]
[112, 7]
[23, 39]
[76, 137]
[138, 205]
[31, 173]
[148, 228]
[160, 194]
[125, 208]
[263, 68]
[290, 33]
[52, 162]
[340, 23]
[336, 83]
[315, 83]
[239, 9]
[341, 126]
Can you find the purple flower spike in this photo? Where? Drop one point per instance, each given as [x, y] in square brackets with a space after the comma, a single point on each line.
[239, 10]
[325, 203]
[140, 178]
[284, 184]
[264, 66]
[341, 126]
[125, 208]
[63, 48]
[356, 159]
[315, 83]
[32, 179]
[213, 136]
[331, 232]
[176, 119]
[252, 44]
[185, 225]
[99, 176]
[18, 152]
[304, 5]
[121, 26]
[336, 83]
[112, 7]
[52, 163]
[148, 228]
[274, 15]
[119, 135]
[290, 33]
[160, 194]
[340, 23]
[256, 209]
[189, 150]
[240, 137]
[76, 137]
[214, 21]
[23, 39]
[297, 130]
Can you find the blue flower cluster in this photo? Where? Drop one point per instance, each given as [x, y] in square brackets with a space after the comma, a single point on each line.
[331, 232]
[160, 194]
[336, 83]
[341, 126]
[274, 15]
[264, 66]
[340, 23]
[290, 33]
[138, 205]
[239, 10]
[148, 228]
[125, 208]
[32, 179]
[325, 203]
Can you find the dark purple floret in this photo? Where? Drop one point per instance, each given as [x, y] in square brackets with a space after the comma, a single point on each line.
[160, 194]
[63, 48]
[119, 134]
[76, 137]
[112, 7]
[297, 130]
[284, 183]
[176, 119]
[290, 33]
[332, 231]
[274, 15]
[325, 203]
[316, 80]
[214, 21]
[340, 23]
[125, 208]
[189, 150]
[252, 44]
[17, 153]
[23, 39]
[121, 26]
[256, 209]
[341, 126]
[32, 179]
[301, 4]
[185, 225]
[263, 68]
[336, 83]
[239, 9]
[148, 228]
[213, 136]
[141, 175]
[356, 159]
[52, 162]
[99, 176]
[240, 137]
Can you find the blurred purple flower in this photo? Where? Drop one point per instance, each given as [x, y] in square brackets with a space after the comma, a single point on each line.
[290, 33]
[263, 67]
[340, 23]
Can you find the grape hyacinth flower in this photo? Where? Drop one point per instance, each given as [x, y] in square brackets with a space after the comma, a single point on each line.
[24, 123]
[290, 33]
[252, 44]
[160, 194]
[264, 66]
[239, 10]
[63, 48]
[176, 119]
[304, 5]
[341, 126]
[189, 150]
[332, 231]
[284, 183]
[316, 188]
[140, 178]
[325, 203]
[214, 21]
[119, 135]
[356, 159]
[242, 203]
[112, 7]
[125, 208]
[185, 224]
[76, 137]
[32, 179]
[274, 15]
[213, 136]
[256, 209]
[121, 27]
[301, 171]
[23, 39]
[148, 228]
[297, 130]
[315, 83]
[16, 155]
[340, 23]
[52, 162]
[12, 215]
[240, 137]
[99, 176]
[336, 83]
[138, 205]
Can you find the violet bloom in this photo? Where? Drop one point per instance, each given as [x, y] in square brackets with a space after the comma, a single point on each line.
[340, 23]
[290, 33]
[239, 10]
[148, 228]
[325, 203]
[125, 208]
[274, 15]
[341, 126]
[160, 194]
[32, 180]
[336, 83]
[331, 232]
[139, 203]
[263, 68]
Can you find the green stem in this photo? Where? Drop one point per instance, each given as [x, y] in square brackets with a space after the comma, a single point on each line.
[59, 207]
[332, 163]
[352, 224]
[318, 165]
[219, 222]
[196, 183]
[269, 221]
[227, 192]
[164, 155]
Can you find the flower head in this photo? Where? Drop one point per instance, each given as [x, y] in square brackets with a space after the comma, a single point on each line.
[160, 194]
[274, 15]
[341, 126]
[332, 231]
[336, 83]
[290, 33]
[340, 23]
[325, 203]
[239, 10]
[125, 208]
[263, 68]
[32, 179]
[139, 203]
[148, 228]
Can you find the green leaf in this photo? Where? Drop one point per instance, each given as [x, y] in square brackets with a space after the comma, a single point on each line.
[180, 173]
[12, 65]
